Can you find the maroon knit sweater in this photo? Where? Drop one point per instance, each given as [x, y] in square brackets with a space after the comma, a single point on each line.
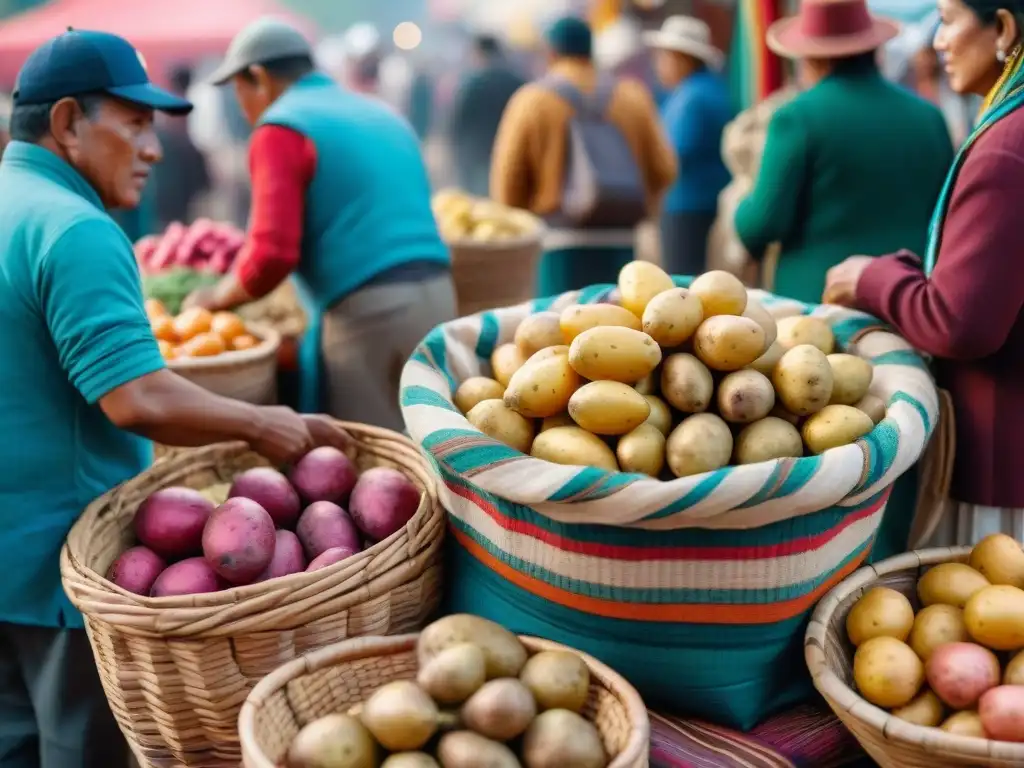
[968, 314]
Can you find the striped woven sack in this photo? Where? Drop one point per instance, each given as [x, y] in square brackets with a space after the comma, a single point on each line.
[697, 589]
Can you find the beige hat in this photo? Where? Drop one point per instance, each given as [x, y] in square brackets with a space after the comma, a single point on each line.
[688, 35]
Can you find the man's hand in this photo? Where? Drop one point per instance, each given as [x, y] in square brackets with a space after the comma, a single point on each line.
[283, 435]
[325, 431]
[228, 293]
[841, 281]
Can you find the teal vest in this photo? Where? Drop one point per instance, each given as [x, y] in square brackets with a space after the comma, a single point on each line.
[367, 209]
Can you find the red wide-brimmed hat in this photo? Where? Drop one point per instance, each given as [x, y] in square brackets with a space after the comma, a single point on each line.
[829, 29]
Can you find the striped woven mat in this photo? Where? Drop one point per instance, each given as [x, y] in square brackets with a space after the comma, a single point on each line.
[805, 737]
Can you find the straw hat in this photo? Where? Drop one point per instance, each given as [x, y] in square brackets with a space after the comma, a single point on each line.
[829, 29]
[688, 35]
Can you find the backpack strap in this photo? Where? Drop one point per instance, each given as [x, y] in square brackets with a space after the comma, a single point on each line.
[594, 104]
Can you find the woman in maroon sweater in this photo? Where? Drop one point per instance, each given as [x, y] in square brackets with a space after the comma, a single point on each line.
[963, 304]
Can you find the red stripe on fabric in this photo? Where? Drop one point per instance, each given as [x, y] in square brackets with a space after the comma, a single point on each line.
[632, 553]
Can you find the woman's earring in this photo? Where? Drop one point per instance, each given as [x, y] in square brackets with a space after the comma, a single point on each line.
[1001, 56]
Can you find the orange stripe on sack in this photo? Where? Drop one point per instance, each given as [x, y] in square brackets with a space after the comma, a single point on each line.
[690, 613]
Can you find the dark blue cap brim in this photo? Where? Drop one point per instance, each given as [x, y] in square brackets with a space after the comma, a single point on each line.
[149, 95]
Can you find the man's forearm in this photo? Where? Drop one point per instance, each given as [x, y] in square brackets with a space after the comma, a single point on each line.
[171, 410]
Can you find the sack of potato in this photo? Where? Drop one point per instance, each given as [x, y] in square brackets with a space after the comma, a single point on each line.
[935, 638]
[640, 471]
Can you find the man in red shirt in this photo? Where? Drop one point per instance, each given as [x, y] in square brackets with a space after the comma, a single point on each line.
[340, 197]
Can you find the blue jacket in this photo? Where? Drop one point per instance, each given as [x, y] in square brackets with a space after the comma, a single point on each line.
[694, 116]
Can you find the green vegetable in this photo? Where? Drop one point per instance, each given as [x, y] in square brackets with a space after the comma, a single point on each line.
[171, 287]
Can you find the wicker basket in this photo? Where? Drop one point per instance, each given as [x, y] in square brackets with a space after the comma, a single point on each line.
[891, 742]
[495, 274]
[249, 375]
[335, 678]
[176, 670]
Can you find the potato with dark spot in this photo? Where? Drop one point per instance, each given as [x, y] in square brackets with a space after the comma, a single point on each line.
[686, 383]
[727, 343]
[745, 396]
[672, 316]
[542, 388]
[803, 380]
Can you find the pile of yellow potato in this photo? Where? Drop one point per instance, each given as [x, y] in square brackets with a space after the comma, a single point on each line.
[461, 216]
[479, 700]
[957, 664]
[693, 378]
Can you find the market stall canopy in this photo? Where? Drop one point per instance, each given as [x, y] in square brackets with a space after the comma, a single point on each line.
[166, 32]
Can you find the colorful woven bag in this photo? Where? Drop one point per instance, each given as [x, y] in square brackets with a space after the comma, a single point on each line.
[698, 589]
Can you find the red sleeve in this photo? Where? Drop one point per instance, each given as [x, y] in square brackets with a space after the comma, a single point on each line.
[281, 164]
[968, 307]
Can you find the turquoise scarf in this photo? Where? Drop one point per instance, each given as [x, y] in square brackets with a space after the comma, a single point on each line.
[1006, 96]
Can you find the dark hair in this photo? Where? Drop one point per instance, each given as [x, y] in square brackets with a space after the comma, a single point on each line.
[181, 78]
[289, 68]
[862, 62]
[31, 122]
[487, 45]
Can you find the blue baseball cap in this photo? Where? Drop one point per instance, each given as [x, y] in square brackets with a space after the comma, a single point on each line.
[78, 62]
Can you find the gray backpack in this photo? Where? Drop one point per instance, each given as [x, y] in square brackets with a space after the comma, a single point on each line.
[603, 187]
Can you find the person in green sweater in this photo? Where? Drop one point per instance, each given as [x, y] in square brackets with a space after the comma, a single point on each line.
[853, 164]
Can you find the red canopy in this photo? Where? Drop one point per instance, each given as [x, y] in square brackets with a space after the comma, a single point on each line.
[165, 31]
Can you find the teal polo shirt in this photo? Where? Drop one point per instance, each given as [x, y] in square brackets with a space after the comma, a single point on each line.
[72, 329]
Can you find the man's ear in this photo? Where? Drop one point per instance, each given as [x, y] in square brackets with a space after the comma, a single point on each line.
[65, 117]
[261, 76]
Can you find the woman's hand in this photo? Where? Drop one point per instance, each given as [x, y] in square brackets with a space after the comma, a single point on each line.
[841, 281]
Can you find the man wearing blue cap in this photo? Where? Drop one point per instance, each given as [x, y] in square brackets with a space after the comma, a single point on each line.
[82, 382]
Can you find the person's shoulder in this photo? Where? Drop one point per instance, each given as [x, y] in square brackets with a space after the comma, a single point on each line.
[1005, 137]
[532, 96]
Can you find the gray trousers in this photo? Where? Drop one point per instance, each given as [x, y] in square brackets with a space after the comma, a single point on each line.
[366, 339]
[53, 712]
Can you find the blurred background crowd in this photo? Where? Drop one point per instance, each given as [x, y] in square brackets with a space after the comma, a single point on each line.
[447, 65]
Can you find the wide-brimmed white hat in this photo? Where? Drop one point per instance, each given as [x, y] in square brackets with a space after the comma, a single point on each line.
[688, 35]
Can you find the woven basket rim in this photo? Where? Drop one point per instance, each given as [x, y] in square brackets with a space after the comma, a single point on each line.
[364, 647]
[532, 237]
[270, 341]
[261, 595]
[841, 695]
